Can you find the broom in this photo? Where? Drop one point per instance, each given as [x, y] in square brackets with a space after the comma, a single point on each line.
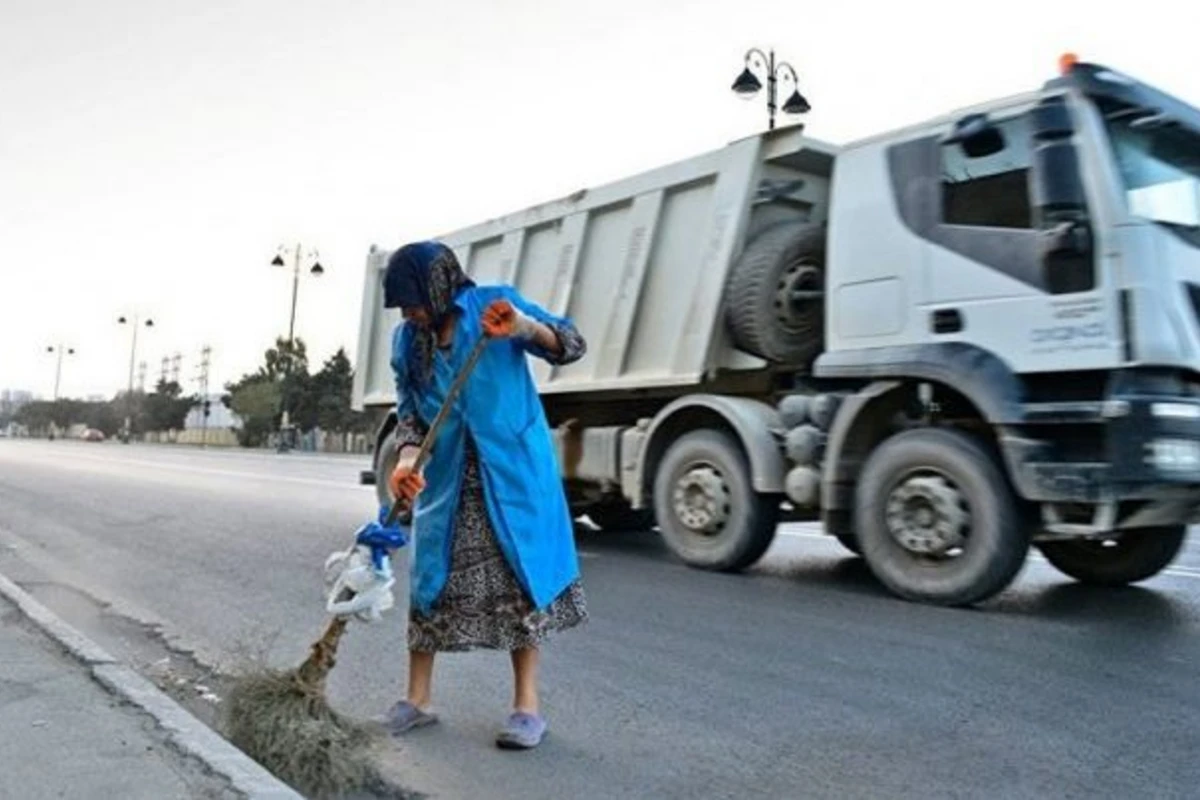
[282, 719]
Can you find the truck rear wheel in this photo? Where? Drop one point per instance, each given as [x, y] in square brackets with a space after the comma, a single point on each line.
[937, 520]
[708, 512]
[1131, 557]
[773, 296]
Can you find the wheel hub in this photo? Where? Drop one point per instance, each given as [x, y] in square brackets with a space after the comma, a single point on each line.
[701, 500]
[926, 515]
[798, 284]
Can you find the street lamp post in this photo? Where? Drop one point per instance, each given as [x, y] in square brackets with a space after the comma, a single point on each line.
[747, 84]
[298, 259]
[134, 323]
[70, 351]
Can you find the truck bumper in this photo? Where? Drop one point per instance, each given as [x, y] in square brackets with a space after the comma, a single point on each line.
[1157, 441]
[1149, 450]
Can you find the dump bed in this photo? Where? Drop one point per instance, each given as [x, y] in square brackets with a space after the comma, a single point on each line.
[639, 265]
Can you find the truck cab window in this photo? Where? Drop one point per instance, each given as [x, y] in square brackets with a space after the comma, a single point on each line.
[1160, 168]
[990, 191]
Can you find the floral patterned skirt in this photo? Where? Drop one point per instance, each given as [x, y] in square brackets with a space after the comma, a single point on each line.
[482, 604]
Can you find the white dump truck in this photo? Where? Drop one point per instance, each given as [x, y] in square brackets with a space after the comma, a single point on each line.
[948, 343]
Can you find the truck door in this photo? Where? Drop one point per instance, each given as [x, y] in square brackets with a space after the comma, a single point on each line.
[987, 280]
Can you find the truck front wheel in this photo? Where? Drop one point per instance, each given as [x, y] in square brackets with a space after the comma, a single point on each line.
[937, 521]
[385, 461]
[617, 515]
[850, 542]
[1131, 557]
[708, 512]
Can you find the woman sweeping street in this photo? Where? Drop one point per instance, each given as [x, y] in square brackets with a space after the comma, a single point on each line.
[494, 563]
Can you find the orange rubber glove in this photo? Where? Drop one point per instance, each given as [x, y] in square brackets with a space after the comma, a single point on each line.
[406, 482]
[501, 321]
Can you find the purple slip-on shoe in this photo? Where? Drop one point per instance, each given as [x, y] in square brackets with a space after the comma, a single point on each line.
[404, 717]
[522, 731]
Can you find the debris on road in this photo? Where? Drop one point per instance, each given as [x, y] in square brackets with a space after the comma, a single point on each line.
[285, 723]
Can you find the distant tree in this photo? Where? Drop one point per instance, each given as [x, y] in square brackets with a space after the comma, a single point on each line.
[10, 404]
[103, 416]
[332, 388]
[283, 381]
[133, 406]
[166, 409]
[163, 410]
[256, 401]
[284, 359]
[38, 416]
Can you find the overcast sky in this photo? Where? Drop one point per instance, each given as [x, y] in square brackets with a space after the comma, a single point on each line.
[154, 153]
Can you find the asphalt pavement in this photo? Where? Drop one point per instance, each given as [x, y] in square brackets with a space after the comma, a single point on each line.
[800, 679]
[64, 736]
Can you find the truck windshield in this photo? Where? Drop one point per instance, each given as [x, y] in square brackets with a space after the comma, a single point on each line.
[1159, 162]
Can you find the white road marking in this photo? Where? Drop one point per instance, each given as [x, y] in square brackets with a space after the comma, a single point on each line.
[222, 473]
[191, 451]
[1177, 571]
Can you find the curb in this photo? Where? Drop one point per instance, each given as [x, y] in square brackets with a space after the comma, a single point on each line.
[186, 732]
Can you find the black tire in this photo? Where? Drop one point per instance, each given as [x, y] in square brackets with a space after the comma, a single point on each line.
[750, 517]
[850, 542]
[1131, 557]
[618, 516]
[996, 541]
[386, 457]
[761, 322]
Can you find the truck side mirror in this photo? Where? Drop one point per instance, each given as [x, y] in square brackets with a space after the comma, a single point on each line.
[1067, 257]
[1057, 187]
[1059, 201]
[977, 136]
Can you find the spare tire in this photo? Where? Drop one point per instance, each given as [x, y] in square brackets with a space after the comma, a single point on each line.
[765, 315]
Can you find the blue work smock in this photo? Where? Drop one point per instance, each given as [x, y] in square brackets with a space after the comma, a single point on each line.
[500, 409]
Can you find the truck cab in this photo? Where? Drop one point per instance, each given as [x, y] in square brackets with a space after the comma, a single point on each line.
[1031, 268]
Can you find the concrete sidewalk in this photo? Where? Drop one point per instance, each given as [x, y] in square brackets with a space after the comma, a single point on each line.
[76, 724]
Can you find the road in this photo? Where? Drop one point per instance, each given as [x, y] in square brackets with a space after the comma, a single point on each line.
[798, 679]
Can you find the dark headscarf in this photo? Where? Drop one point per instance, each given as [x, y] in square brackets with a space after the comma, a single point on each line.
[424, 275]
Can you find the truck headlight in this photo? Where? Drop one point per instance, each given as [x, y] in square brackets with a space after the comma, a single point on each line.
[1175, 455]
[1175, 410]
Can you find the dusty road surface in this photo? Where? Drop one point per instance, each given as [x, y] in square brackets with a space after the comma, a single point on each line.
[798, 679]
